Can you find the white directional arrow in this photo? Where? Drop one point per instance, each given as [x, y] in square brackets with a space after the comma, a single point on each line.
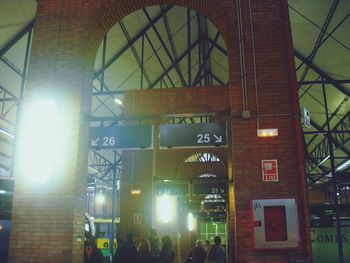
[218, 139]
[94, 142]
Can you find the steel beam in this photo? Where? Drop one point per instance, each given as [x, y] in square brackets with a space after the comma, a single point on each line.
[159, 60]
[205, 60]
[320, 37]
[185, 53]
[165, 48]
[17, 37]
[320, 82]
[133, 49]
[172, 45]
[189, 56]
[321, 151]
[324, 75]
[133, 40]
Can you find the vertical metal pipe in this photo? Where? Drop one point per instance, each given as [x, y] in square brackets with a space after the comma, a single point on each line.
[334, 181]
[199, 48]
[21, 94]
[102, 80]
[88, 199]
[95, 193]
[111, 236]
[189, 56]
[142, 58]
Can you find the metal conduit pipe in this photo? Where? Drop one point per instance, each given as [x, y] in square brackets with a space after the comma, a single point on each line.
[241, 56]
[254, 67]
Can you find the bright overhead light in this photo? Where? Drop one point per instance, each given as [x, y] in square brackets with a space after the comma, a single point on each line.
[118, 101]
[190, 221]
[166, 208]
[267, 132]
[100, 198]
[41, 141]
[3, 131]
[343, 166]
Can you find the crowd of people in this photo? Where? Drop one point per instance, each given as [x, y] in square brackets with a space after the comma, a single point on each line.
[150, 250]
[153, 250]
[207, 253]
[144, 250]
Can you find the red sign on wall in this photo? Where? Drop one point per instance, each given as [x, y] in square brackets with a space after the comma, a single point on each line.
[269, 170]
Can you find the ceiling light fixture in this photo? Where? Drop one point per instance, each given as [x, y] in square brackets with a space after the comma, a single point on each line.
[6, 133]
[343, 166]
[118, 101]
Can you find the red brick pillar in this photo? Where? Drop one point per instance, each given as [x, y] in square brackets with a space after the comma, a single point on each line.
[276, 108]
[48, 218]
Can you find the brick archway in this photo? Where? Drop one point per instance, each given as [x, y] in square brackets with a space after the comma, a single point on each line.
[221, 14]
[67, 36]
[184, 169]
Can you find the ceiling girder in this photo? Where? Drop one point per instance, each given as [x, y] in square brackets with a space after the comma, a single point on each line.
[165, 48]
[17, 37]
[172, 65]
[222, 50]
[172, 45]
[320, 37]
[216, 78]
[136, 55]
[332, 115]
[203, 49]
[324, 75]
[159, 60]
[319, 82]
[329, 35]
[202, 66]
[133, 40]
[12, 66]
[340, 135]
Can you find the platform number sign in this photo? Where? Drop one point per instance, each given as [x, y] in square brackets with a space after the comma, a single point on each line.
[106, 141]
[193, 135]
[121, 137]
[210, 188]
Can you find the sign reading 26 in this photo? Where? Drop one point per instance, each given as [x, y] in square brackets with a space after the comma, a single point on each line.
[108, 141]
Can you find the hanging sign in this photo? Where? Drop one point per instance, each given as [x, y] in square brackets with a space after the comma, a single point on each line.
[269, 170]
[122, 137]
[210, 134]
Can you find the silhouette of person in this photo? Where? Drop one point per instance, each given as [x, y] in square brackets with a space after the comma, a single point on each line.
[198, 254]
[167, 254]
[126, 253]
[217, 252]
[92, 254]
[144, 253]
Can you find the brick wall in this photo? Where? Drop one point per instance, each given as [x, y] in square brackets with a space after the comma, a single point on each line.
[67, 35]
